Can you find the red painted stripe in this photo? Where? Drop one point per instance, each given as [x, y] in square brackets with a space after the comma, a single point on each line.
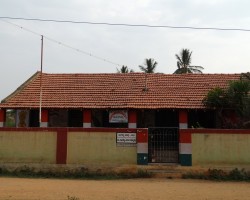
[111, 130]
[45, 115]
[61, 147]
[185, 136]
[2, 115]
[142, 136]
[183, 116]
[132, 116]
[87, 116]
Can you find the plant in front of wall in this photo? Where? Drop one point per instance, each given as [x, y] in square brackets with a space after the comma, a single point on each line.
[72, 198]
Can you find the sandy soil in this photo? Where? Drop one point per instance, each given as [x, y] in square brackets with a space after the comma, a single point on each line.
[141, 189]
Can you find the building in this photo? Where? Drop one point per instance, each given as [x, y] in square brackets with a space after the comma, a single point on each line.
[152, 111]
[133, 100]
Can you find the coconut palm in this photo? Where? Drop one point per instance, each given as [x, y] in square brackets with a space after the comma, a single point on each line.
[124, 69]
[149, 65]
[184, 63]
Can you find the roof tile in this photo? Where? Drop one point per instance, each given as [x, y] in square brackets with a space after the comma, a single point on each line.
[116, 90]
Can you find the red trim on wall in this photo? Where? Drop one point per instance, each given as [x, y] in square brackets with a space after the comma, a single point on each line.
[132, 116]
[45, 129]
[87, 116]
[183, 116]
[45, 115]
[142, 136]
[2, 115]
[61, 146]
[185, 136]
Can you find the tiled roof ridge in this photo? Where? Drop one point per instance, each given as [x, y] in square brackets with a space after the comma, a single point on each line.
[21, 87]
[141, 73]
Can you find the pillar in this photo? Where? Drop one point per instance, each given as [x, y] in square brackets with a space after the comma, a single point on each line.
[185, 142]
[183, 119]
[2, 117]
[44, 118]
[132, 119]
[87, 118]
[142, 147]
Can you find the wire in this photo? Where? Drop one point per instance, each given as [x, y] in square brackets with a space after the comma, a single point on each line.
[128, 25]
[62, 44]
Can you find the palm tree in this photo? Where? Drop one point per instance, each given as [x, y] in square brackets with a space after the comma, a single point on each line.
[124, 69]
[184, 63]
[149, 65]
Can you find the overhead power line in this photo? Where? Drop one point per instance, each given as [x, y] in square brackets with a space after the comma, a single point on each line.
[62, 44]
[128, 25]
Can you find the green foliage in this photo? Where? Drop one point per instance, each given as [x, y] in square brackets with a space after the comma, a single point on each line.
[124, 69]
[79, 173]
[238, 95]
[73, 198]
[10, 118]
[184, 63]
[235, 98]
[149, 66]
[216, 98]
[220, 175]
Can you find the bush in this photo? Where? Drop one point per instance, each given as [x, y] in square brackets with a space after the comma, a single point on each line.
[220, 175]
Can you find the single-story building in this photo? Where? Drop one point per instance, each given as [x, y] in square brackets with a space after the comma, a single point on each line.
[161, 103]
[132, 100]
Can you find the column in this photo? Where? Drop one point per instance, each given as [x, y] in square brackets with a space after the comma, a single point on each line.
[45, 118]
[183, 119]
[185, 147]
[142, 147]
[2, 117]
[185, 143]
[87, 118]
[132, 119]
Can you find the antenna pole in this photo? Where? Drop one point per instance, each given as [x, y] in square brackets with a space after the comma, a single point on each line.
[40, 106]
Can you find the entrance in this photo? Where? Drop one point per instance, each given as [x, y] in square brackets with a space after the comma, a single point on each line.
[163, 145]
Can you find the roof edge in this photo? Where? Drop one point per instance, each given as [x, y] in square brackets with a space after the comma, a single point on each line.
[21, 87]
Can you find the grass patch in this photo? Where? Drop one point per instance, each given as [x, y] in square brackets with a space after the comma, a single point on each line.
[80, 173]
[220, 175]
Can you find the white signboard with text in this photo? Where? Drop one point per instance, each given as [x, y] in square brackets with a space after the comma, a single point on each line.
[126, 139]
[118, 116]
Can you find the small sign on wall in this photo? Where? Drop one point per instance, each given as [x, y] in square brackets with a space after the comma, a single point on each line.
[126, 139]
[118, 116]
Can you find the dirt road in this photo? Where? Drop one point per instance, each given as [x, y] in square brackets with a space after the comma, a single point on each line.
[140, 189]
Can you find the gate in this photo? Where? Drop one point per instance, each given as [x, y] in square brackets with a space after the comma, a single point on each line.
[163, 145]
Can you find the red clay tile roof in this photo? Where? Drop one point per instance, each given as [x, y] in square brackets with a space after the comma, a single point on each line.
[116, 90]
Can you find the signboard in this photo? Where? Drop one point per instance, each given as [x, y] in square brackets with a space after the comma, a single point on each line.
[126, 139]
[22, 118]
[118, 116]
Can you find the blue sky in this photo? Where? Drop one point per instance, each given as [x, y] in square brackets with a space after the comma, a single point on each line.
[216, 51]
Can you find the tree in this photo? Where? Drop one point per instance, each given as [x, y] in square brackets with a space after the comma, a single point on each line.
[124, 69]
[245, 76]
[149, 65]
[184, 63]
[235, 98]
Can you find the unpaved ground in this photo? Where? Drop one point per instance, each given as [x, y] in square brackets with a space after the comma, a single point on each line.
[137, 189]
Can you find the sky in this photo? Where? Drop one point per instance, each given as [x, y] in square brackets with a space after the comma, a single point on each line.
[216, 51]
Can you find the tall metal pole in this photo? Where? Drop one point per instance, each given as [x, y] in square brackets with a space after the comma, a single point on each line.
[41, 89]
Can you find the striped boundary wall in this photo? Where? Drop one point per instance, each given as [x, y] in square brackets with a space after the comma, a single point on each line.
[185, 141]
[142, 147]
[62, 140]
